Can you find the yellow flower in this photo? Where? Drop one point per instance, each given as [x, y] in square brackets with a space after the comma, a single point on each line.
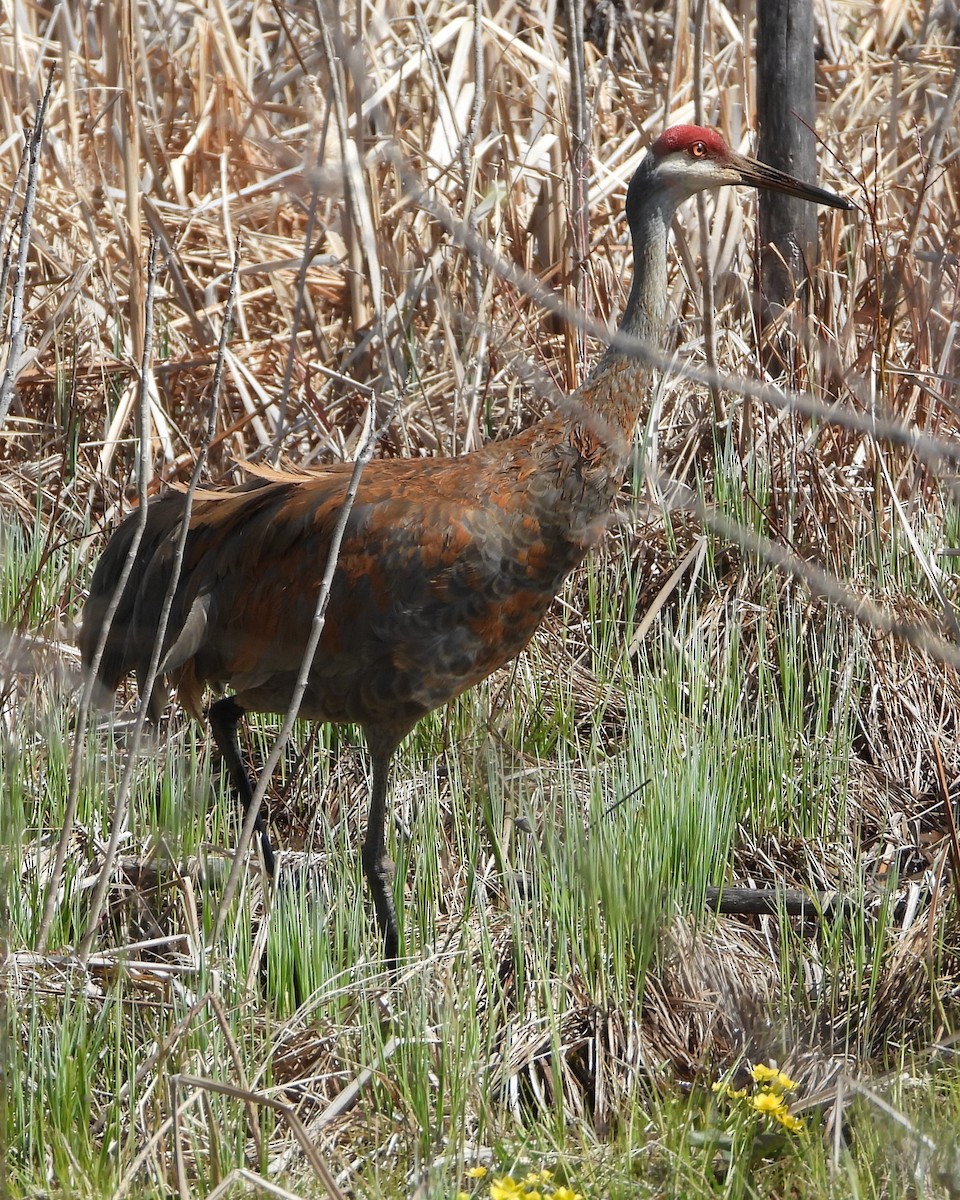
[535, 1177]
[773, 1105]
[564, 1193]
[769, 1104]
[475, 1172]
[506, 1188]
[771, 1077]
[463, 1196]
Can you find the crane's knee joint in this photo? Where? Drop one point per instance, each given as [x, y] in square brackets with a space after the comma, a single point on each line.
[379, 868]
[225, 712]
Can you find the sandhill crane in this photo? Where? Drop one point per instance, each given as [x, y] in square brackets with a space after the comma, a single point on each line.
[447, 566]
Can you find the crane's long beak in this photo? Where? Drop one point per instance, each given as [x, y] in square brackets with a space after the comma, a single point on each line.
[758, 174]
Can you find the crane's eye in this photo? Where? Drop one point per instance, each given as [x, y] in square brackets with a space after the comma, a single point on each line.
[698, 150]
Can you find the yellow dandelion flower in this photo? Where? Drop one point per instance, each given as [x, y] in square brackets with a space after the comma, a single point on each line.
[476, 1172]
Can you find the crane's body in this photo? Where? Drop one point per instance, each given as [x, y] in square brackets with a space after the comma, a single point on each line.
[446, 568]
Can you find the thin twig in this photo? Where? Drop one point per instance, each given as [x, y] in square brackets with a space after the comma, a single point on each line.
[150, 679]
[947, 802]
[308, 243]
[17, 330]
[343, 1102]
[303, 676]
[357, 278]
[579, 208]
[466, 147]
[706, 266]
[288, 1115]
[473, 376]
[90, 682]
[369, 441]
[931, 163]
[5, 225]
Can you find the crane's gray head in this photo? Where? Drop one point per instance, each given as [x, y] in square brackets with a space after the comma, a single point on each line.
[687, 159]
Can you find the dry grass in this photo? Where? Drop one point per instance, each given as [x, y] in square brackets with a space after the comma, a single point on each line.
[231, 139]
[355, 145]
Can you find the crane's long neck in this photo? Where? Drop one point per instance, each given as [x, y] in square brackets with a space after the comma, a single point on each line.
[643, 316]
[616, 387]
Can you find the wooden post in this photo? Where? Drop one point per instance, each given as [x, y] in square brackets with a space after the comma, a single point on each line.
[786, 110]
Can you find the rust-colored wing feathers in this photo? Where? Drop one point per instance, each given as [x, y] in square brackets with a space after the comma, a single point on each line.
[445, 570]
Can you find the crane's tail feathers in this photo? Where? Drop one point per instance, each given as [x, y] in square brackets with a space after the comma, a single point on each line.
[129, 642]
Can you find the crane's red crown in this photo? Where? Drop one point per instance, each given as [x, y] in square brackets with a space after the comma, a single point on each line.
[684, 137]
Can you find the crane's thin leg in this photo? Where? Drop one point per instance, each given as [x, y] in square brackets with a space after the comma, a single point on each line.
[377, 867]
[225, 716]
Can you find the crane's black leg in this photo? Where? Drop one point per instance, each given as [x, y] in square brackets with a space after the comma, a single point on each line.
[377, 867]
[225, 716]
